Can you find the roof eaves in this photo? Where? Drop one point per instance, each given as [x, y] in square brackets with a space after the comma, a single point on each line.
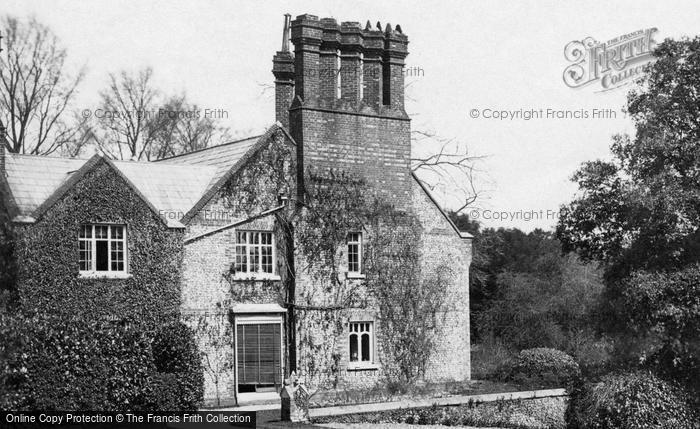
[214, 189]
[462, 234]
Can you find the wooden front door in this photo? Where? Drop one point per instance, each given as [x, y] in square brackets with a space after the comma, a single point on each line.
[259, 356]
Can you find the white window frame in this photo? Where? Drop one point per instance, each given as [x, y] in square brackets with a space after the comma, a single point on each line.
[93, 272]
[358, 329]
[352, 273]
[241, 275]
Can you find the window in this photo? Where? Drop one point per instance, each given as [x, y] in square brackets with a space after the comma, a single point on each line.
[255, 253]
[355, 252]
[361, 343]
[102, 248]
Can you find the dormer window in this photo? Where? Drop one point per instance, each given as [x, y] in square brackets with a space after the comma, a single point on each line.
[102, 249]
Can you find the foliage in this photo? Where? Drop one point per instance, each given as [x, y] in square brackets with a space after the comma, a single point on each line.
[491, 359]
[411, 302]
[48, 269]
[8, 287]
[666, 306]
[175, 354]
[526, 413]
[639, 214]
[547, 365]
[634, 400]
[215, 334]
[73, 364]
[640, 210]
[535, 296]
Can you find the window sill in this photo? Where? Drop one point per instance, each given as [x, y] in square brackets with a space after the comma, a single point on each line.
[356, 276]
[363, 367]
[255, 278]
[103, 275]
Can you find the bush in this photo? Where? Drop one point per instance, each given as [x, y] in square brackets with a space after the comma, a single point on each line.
[76, 364]
[163, 393]
[634, 400]
[544, 365]
[54, 363]
[175, 353]
[491, 359]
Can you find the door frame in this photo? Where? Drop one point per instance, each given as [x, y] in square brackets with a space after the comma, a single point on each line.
[256, 319]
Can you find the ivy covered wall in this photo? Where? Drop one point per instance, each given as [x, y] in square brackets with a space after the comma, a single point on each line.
[48, 256]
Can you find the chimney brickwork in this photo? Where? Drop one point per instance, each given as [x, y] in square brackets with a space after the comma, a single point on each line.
[347, 112]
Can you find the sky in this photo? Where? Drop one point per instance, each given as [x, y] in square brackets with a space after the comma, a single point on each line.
[467, 60]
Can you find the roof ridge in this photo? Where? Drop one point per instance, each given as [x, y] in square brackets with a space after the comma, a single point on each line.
[34, 155]
[210, 147]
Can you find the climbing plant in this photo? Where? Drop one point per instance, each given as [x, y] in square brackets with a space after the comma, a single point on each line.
[311, 228]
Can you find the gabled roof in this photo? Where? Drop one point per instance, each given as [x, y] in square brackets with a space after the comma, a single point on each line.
[222, 157]
[228, 159]
[462, 234]
[37, 182]
[176, 188]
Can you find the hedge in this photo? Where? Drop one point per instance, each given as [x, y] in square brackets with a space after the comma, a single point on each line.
[631, 401]
[53, 363]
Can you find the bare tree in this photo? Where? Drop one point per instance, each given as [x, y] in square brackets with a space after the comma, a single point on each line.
[449, 167]
[36, 90]
[135, 120]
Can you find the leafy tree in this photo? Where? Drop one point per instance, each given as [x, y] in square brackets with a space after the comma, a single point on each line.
[639, 213]
[641, 210]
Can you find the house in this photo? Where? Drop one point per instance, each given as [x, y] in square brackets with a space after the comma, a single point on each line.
[199, 235]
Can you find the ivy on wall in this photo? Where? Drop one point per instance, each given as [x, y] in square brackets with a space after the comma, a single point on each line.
[311, 236]
[47, 257]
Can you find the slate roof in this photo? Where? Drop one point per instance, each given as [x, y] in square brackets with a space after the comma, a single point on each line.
[32, 179]
[173, 189]
[223, 157]
[179, 185]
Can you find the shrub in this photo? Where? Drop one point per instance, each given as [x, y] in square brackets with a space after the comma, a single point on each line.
[631, 401]
[73, 364]
[55, 363]
[163, 393]
[542, 365]
[489, 359]
[175, 353]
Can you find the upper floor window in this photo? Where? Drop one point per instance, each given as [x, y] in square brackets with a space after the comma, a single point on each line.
[102, 248]
[361, 343]
[255, 253]
[355, 252]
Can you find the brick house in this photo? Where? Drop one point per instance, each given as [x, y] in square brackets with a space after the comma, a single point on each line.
[202, 228]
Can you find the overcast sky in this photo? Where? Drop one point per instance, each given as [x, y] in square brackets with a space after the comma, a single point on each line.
[472, 55]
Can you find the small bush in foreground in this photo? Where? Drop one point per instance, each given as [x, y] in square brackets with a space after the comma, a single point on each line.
[179, 365]
[631, 401]
[544, 365]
